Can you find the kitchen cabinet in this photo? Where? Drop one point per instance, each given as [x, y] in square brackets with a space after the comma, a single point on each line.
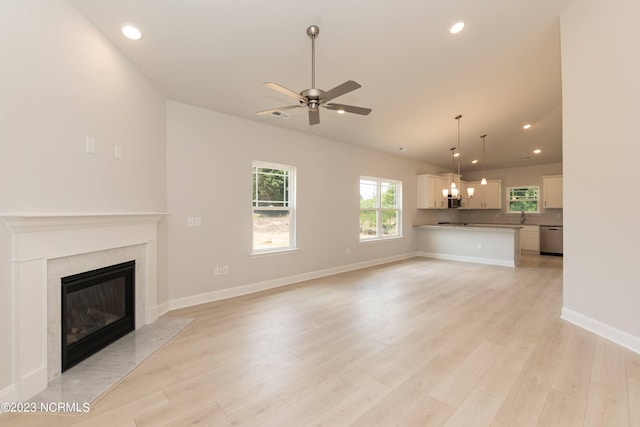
[485, 196]
[552, 191]
[430, 192]
[530, 238]
[464, 202]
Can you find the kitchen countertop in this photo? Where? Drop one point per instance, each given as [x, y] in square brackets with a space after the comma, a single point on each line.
[465, 226]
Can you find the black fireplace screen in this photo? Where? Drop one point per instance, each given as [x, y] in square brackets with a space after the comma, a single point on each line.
[98, 307]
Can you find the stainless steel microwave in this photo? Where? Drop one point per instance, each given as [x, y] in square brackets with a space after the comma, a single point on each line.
[454, 203]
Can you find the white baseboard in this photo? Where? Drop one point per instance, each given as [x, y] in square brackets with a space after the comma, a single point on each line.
[31, 384]
[490, 261]
[162, 308]
[616, 335]
[275, 283]
[8, 394]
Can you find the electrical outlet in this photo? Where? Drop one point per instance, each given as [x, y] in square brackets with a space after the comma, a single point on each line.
[197, 221]
[117, 151]
[217, 271]
[347, 251]
[225, 270]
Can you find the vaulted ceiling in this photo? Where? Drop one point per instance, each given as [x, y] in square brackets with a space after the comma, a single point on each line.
[500, 73]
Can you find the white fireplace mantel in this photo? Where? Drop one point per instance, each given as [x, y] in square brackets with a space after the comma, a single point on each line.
[40, 237]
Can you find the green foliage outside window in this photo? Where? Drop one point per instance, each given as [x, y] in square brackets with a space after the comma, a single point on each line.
[270, 187]
[524, 199]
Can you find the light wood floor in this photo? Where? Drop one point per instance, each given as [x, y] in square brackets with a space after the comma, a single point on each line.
[417, 343]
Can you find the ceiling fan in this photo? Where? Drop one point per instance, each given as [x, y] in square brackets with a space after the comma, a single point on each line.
[315, 98]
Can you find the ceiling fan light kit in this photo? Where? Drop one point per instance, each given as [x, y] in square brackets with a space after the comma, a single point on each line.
[314, 98]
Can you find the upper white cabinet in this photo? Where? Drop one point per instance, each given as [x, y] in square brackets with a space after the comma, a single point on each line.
[464, 202]
[552, 191]
[485, 196]
[430, 192]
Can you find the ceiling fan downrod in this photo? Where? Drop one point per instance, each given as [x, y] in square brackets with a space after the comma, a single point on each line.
[313, 31]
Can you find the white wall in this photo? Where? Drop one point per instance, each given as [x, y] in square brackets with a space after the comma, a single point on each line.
[61, 81]
[209, 159]
[601, 106]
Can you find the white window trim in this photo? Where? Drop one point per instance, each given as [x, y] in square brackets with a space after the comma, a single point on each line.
[378, 210]
[510, 212]
[274, 252]
[291, 208]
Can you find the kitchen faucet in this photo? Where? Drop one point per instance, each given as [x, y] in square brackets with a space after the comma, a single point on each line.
[522, 218]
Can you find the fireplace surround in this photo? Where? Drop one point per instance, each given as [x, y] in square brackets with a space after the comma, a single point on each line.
[47, 247]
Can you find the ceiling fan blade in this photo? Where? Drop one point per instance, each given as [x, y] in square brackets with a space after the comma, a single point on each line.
[288, 107]
[285, 91]
[314, 116]
[340, 90]
[349, 108]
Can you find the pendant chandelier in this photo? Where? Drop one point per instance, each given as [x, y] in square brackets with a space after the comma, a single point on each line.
[453, 192]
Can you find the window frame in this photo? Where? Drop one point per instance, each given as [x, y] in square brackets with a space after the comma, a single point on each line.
[289, 205]
[537, 200]
[379, 209]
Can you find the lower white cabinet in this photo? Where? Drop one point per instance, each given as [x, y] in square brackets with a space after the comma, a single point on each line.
[530, 238]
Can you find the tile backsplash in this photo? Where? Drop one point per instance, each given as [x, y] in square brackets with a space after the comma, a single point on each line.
[547, 217]
[489, 216]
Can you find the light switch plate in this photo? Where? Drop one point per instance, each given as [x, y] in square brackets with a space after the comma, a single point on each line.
[90, 145]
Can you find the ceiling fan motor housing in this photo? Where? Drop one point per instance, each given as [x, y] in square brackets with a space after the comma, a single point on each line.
[313, 94]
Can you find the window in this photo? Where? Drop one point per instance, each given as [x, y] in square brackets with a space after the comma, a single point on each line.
[273, 207]
[380, 208]
[523, 199]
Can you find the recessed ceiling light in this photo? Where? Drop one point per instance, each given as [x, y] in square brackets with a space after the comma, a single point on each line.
[537, 151]
[340, 111]
[131, 32]
[474, 161]
[457, 27]
[456, 155]
[527, 126]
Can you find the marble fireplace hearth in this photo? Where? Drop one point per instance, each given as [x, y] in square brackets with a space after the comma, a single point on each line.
[47, 247]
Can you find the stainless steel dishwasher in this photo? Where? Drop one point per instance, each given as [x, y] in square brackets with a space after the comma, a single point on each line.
[551, 240]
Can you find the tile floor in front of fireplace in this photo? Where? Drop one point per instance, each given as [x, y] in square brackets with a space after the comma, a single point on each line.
[90, 378]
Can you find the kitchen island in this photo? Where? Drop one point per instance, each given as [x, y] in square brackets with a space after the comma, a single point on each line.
[479, 243]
